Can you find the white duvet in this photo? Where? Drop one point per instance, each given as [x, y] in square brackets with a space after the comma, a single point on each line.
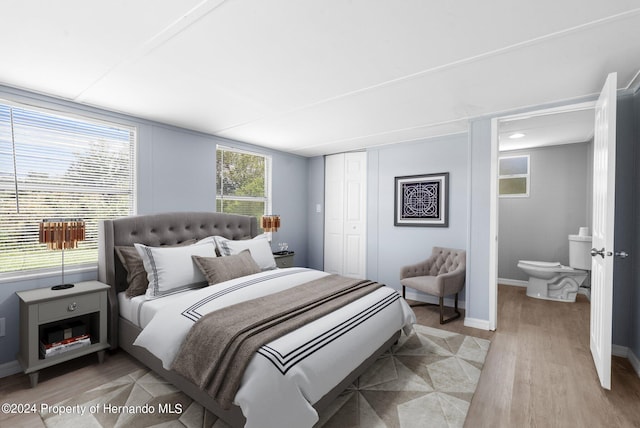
[288, 375]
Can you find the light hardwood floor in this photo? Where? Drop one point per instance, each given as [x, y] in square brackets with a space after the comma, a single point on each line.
[538, 372]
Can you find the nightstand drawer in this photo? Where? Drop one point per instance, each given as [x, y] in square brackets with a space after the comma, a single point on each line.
[68, 307]
[285, 262]
[284, 259]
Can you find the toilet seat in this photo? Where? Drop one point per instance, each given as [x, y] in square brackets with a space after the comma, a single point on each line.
[541, 264]
[548, 266]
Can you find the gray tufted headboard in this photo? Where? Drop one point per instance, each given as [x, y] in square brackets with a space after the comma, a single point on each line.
[158, 230]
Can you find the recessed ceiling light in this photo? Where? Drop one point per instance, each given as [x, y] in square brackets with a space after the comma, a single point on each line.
[516, 135]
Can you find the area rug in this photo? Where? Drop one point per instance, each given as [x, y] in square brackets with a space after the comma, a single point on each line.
[427, 379]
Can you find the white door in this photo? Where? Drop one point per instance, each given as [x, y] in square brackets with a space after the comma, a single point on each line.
[355, 248]
[604, 170]
[333, 213]
[345, 214]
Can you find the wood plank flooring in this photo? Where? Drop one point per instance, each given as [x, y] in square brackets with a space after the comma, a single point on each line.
[538, 371]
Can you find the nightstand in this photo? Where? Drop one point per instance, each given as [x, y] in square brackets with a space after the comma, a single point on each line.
[284, 259]
[43, 311]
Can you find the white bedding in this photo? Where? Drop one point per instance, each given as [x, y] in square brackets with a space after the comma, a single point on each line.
[139, 310]
[301, 366]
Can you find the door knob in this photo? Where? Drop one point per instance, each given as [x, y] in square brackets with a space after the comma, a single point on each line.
[595, 252]
[622, 254]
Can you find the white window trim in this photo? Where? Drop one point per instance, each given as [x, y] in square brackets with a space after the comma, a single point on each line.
[527, 176]
[267, 199]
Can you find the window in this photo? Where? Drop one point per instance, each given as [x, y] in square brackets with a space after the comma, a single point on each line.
[514, 176]
[54, 165]
[243, 182]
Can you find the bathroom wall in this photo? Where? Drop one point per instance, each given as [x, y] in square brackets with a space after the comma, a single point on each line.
[537, 227]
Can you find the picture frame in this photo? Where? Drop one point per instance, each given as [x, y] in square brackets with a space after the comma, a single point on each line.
[422, 200]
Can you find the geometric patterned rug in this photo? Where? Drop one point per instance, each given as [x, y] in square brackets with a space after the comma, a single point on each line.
[427, 379]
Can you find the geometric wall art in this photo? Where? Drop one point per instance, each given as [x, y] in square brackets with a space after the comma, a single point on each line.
[422, 200]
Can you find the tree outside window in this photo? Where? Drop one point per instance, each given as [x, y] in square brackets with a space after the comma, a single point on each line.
[243, 182]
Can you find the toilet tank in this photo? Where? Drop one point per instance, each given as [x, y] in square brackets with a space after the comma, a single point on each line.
[580, 252]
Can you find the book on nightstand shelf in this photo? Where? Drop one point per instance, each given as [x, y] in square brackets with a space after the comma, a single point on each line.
[56, 348]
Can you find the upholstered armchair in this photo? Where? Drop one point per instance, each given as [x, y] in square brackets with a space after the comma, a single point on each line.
[440, 275]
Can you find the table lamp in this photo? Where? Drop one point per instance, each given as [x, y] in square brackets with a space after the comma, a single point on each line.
[62, 234]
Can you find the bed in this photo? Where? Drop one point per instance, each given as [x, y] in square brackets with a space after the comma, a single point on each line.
[308, 385]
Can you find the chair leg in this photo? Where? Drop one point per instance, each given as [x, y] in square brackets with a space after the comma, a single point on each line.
[457, 313]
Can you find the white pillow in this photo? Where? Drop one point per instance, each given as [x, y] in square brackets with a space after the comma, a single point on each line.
[259, 248]
[171, 269]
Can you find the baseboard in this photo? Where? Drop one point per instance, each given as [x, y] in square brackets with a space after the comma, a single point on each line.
[514, 282]
[620, 351]
[623, 351]
[635, 362]
[10, 368]
[476, 323]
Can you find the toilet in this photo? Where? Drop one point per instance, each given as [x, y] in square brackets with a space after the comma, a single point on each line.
[552, 280]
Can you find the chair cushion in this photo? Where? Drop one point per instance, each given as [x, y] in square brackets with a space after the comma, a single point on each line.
[431, 285]
[426, 284]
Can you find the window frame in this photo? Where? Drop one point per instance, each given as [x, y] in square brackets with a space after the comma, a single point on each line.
[61, 113]
[526, 176]
[267, 199]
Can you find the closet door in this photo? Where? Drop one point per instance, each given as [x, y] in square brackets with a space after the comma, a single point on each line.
[345, 243]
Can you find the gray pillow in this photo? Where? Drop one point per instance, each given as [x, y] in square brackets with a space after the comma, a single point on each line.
[136, 275]
[220, 269]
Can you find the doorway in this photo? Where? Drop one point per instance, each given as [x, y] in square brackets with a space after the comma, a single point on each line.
[530, 131]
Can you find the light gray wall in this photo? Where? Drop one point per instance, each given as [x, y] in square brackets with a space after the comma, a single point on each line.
[537, 227]
[390, 247]
[175, 172]
[477, 288]
[315, 200]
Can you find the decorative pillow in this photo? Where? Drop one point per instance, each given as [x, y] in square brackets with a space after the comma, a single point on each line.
[136, 275]
[171, 269]
[259, 248]
[219, 269]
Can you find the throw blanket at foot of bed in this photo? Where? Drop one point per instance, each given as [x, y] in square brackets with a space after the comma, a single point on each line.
[220, 345]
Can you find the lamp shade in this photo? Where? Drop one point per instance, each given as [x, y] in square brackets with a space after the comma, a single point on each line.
[61, 234]
[270, 223]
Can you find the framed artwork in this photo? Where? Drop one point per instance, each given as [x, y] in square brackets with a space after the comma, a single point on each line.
[422, 200]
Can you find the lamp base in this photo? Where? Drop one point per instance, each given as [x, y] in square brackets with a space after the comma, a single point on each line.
[62, 286]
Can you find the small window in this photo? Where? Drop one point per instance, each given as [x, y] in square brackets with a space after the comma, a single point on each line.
[513, 179]
[243, 182]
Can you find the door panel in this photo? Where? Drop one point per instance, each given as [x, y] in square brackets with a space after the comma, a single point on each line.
[604, 169]
[333, 212]
[345, 214]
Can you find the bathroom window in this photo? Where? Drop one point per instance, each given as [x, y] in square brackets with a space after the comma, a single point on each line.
[513, 178]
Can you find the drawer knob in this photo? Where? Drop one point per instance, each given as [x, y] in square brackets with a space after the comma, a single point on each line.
[72, 307]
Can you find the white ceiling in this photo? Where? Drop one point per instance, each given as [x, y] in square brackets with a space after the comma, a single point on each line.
[547, 129]
[317, 77]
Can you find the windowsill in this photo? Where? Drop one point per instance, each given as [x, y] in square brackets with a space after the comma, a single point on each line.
[34, 274]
